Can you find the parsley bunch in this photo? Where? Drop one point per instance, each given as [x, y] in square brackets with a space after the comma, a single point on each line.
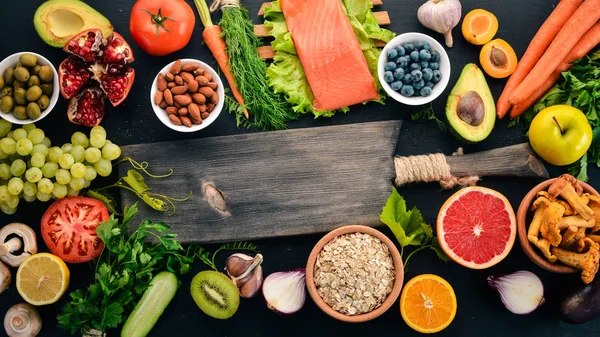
[123, 272]
[409, 227]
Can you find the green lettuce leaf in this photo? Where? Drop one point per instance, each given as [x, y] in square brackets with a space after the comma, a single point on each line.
[286, 75]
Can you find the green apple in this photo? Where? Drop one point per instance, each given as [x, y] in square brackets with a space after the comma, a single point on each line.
[560, 134]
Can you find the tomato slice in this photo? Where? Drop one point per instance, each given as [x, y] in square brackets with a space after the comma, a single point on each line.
[69, 228]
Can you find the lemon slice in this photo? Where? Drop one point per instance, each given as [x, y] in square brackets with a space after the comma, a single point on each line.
[42, 279]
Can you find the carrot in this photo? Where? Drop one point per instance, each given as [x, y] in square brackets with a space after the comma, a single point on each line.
[587, 42]
[580, 22]
[216, 45]
[536, 49]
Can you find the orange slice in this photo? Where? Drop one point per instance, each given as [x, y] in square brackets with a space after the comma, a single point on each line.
[42, 279]
[428, 303]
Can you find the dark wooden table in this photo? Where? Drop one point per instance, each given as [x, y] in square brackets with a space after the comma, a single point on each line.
[480, 312]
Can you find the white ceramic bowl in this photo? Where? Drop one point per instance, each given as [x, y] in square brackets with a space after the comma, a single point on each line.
[444, 68]
[11, 61]
[162, 113]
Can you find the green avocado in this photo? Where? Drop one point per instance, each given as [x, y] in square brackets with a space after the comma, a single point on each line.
[56, 21]
[470, 109]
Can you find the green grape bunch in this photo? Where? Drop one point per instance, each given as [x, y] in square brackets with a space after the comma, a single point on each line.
[32, 169]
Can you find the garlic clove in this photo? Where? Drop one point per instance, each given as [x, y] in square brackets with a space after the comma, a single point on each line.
[245, 271]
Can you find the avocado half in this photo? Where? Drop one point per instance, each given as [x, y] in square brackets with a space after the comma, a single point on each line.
[56, 21]
[470, 110]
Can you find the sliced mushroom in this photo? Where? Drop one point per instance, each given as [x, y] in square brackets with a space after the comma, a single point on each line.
[5, 277]
[22, 320]
[26, 240]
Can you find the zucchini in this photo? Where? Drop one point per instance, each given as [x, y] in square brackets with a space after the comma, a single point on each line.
[159, 294]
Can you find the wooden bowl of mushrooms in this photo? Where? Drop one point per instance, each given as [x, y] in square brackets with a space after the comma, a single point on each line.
[354, 273]
[558, 225]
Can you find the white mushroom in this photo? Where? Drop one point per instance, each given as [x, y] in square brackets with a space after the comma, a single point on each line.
[25, 239]
[22, 320]
[5, 277]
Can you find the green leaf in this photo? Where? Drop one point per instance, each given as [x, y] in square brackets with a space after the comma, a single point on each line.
[405, 224]
[579, 169]
[429, 115]
[106, 199]
[136, 181]
[427, 230]
[513, 122]
[435, 246]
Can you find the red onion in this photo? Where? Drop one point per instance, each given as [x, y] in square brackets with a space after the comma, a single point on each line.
[521, 292]
[285, 292]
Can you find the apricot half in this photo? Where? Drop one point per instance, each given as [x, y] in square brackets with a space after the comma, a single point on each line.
[479, 26]
[498, 59]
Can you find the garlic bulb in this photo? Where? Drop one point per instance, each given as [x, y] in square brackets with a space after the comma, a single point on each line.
[441, 16]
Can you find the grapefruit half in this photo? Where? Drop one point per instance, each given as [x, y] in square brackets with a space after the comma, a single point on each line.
[476, 227]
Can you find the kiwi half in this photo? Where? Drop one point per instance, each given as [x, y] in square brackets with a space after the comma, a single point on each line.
[215, 294]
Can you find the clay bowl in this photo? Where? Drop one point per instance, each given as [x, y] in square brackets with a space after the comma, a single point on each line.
[524, 216]
[389, 301]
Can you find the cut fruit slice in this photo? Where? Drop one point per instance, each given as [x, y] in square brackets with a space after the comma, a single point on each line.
[476, 227]
[428, 303]
[42, 279]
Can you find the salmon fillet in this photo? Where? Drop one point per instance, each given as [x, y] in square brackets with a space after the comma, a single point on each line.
[330, 53]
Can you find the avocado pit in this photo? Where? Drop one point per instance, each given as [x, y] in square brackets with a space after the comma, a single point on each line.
[470, 108]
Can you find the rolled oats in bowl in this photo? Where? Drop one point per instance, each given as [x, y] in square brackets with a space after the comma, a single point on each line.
[354, 273]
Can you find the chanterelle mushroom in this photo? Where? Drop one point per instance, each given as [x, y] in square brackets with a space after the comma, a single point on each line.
[569, 239]
[5, 277]
[587, 262]
[539, 205]
[22, 320]
[25, 234]
[549, 229]
[568, 187]
[544, 245]
[594, 205]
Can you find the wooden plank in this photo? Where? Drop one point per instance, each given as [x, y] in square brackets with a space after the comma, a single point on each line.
[383, 18]
[515, 160]
[274, 184]
[261, 11]
[267, 52]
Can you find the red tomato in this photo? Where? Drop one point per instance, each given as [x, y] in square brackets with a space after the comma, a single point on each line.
[69, 228]
[161, 27]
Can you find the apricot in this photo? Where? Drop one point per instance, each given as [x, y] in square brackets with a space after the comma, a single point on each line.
[479, 26]
[498, 59]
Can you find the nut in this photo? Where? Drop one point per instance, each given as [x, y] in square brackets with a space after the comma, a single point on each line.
[171, 110]
[163, 104]
[186, 121]
[182, 100]
[198, 71]
[168, 97]
[210, 107]
[171, 85]
[206, 91]
[208, 77]
[189, 67]
[178, 90]
[170, 77]
[214, 99]
[193, 86]
[175, 119]
[186, 77]
[193, 109]
[177, 105]
[205, 115]
[202, 108]
[202, 80]
[199, 98]
[161, 82]
[178, 80]
[183, 111]
[195, 119]
[213, 85]
[175, 68]
[158, 97]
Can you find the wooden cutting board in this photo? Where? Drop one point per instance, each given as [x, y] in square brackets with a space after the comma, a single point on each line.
[273, 184]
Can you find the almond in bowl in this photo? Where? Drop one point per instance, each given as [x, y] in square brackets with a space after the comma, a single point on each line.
[187, 95]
